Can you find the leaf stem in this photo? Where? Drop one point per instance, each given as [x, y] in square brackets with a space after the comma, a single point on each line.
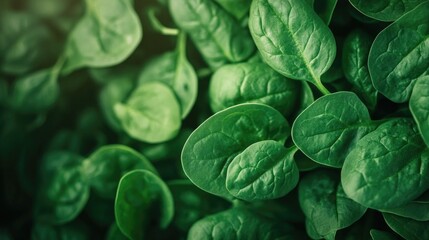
[322, 88]
[157, 25]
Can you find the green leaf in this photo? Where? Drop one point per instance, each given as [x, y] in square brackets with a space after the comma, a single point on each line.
[252, 83]
[218, 36]
[35, 92]
[419, 106]
[105, 167]
[114, 233]
[292, 39]
[143, 204]
[388, 167]
[210, 149]
[115, 91]
[416, 210]
[397, 57]
[328, 130]
[385, 10]
[63, 189]
[408, 228]
[355, 64]
[70, 231]
[151, 114]
[264, 170]
[237, 8]
[240, 223]
[325, 205]
[173, 69]
[382, 235]
[106, 35]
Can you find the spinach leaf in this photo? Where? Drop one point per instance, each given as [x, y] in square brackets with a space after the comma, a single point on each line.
[105, 167]
[173, 69]
[63, 188]
[74, 231]
[143, 203]
[237, 8]
[264, 170]
[408, 228]
[416, 210]
[287, 33]
[26, 43]
[325, 205]
[218, 36]
[385, 10]
[397, 56]
[355, 63]
[377, 175]
[382, 235]
[114, 92]
[251, 82]
[151, 114]
[242, 224]
[106, 35]
[35, 92]
[210, 149]
[114, 233]
[328, 130]
[419, 102]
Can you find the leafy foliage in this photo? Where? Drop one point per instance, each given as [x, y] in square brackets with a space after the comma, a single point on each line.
[214, 119]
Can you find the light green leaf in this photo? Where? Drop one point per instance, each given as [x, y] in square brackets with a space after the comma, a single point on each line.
[398, 55]
[151, 114]
[264, 170]
[106, 35]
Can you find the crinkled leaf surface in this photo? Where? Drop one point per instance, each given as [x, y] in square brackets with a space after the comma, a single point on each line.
[419, 106]
[292, 39]
[399, 56]
[330, 127]
[264, 170]
[210, 149]
[252, 82]
[388, 167]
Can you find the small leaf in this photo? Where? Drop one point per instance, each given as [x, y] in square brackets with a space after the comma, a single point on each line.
[143, 204]
[151, 114]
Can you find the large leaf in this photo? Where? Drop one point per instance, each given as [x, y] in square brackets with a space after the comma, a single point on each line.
[216, 142]
[399, 56]
[328, 130]
[388, 167]
[292, 39]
